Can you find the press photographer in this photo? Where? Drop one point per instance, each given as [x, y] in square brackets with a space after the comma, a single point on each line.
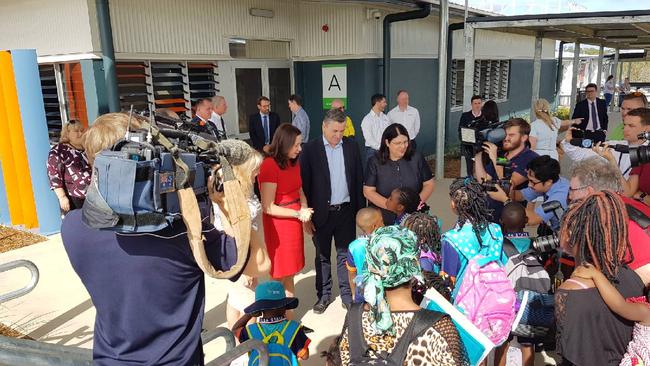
[517, 154]
[577, 150]
[637, 185]
[543, 181]
[148, 287]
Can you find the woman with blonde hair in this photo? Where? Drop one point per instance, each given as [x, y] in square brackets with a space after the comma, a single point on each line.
[67, 167]
[544, 130]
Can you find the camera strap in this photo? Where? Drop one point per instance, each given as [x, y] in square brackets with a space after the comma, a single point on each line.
[235, 208]
[638, 216]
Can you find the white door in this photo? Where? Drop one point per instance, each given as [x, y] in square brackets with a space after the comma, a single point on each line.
[243, 81]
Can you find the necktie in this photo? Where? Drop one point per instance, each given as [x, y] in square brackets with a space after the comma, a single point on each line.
[223, 127]
[265, 124]
[594, 115]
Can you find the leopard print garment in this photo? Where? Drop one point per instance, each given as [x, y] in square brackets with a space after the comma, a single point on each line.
[440, 345]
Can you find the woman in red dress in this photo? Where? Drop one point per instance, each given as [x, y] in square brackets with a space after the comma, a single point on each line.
[284, 206]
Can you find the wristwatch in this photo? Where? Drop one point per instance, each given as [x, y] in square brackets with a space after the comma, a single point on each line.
[641, 197]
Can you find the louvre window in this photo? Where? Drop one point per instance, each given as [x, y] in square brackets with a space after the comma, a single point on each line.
[51, 101]
[134, 85]
[170, 86]
[491, 80]
[203, 80]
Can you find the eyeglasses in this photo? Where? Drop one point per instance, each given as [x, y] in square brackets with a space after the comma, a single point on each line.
[577, 189]
[533, 182]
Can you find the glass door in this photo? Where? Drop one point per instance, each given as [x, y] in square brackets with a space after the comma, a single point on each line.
[247, 82]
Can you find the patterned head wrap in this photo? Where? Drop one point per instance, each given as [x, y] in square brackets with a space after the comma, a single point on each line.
[392, 258]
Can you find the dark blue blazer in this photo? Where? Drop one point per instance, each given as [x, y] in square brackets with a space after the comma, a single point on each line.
[582, 111]
[256, 130]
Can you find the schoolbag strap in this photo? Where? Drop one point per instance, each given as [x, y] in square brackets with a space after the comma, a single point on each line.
[290, 331]
[422, 320]
[509, 248]
[358, 345]
[254, 332]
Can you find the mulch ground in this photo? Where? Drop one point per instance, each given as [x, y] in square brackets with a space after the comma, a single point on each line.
[11, 238]
[8, 332]
[452, 166]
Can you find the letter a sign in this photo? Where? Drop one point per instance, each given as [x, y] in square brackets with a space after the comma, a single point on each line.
[335, 84]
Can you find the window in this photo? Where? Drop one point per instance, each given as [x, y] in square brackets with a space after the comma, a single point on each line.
[490, 80]
[170, 86]
[51, 101]
[203, 80]
[134, 85]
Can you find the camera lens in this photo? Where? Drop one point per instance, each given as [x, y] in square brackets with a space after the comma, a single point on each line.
[639, 155]
[544, 244]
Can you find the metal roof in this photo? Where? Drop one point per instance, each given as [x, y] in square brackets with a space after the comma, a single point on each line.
[615, 29]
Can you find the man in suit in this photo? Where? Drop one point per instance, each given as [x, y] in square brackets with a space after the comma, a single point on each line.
[466, 119]
[262, 125]
[592, 111]
[332, 180]
[219, 108]
[201, 122]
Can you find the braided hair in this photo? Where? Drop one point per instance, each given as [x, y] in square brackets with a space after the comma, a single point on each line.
[410, 199]
[426, 229]
[470, 198]
[430, 280]
[598, 226]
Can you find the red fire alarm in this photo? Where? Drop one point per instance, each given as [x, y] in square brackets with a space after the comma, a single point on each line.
[325, 28]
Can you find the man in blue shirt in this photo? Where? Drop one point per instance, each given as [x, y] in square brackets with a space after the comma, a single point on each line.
[518, 155]
[543, 181]
[300, 118]
[332, 180]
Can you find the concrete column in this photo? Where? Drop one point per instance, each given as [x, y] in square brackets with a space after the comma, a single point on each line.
[537, 69]
[599, 77]
[468, 79]
[442, 88]
[615, 73]
[574, 76]
[94, 89]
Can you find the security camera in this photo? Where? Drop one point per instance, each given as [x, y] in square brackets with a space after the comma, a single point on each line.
[374, 14]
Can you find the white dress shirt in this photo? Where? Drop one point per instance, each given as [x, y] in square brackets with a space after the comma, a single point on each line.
[590, 124]
[218, 122]
[373, 126]
[409, 118]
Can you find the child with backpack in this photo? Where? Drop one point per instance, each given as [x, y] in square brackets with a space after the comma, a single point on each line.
[515, 243]
[427, 230]
[472, 259]
[403, 202]
[286, 340]
[369, 219]
[634, 309]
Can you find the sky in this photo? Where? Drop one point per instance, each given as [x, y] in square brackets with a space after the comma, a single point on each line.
[520, 7]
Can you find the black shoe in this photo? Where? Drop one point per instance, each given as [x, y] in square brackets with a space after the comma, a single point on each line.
[322, 305]
[307, 329]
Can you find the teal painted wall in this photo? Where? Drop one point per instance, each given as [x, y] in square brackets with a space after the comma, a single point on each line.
[94, 88]
[420, 78]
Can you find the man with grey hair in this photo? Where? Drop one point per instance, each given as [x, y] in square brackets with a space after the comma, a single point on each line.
[595, 174]
[332, 181]
[219, 108]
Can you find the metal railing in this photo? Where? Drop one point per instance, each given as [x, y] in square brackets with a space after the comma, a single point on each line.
[25, 352]
[29, 287]
[249, 345]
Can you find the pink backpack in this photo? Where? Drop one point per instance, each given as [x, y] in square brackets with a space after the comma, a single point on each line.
[487, 298]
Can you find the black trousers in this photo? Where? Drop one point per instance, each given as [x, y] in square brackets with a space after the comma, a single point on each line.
[340, 225]
[468, 153]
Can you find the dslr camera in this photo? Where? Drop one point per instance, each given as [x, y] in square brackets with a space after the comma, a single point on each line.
[549, 243]
[587, 139]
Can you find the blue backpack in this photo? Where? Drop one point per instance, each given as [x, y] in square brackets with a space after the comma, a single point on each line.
[278, 344]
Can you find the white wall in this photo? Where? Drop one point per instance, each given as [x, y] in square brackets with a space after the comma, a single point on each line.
[51, 27]
[200, 29]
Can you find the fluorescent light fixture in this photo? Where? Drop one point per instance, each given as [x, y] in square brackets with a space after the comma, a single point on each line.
[264, 13]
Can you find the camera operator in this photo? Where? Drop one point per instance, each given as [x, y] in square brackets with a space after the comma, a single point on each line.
[632, 101]
[147, 288]
[595, 175]
[543, 181]
[518, 155]
[637, 185]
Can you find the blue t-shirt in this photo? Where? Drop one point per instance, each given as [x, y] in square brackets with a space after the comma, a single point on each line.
[147, 289]
[559, 192]
[518, 164]
[356, 260]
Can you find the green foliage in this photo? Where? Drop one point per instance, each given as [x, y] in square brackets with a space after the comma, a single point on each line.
[562, 113]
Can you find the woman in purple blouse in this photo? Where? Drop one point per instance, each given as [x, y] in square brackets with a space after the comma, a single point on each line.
[67, 167]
